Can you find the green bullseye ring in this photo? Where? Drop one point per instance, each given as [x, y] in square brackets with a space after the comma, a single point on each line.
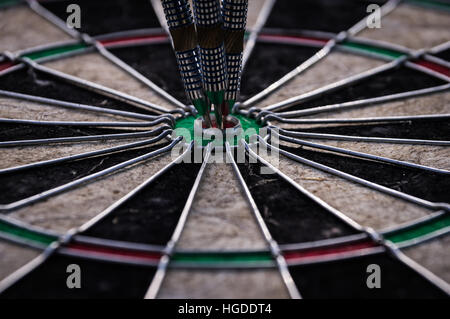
[185, 127]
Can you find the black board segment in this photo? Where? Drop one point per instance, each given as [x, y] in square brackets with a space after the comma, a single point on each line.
[426, 185]
[291, 216]
[33, 82]
[98, 280]
[151, 215]
[444, 54]
[393, 81]
[433, 129]
[348, 279]
[23, 184]
[18, 131]
[270, 62]
[322, 15]
[107, 16]
[157, 62]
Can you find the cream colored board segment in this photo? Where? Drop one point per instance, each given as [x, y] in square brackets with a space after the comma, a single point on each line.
[75, 207]
[14, 256]
[433, 255]
[229, 284]
[438, 103]
[411, 26]
[220, 217]
[12, 108]
[254, 8]
[332, 68]
[21, 28]
[16, 156]
[433, 156]
[95, 68]
[365, 206]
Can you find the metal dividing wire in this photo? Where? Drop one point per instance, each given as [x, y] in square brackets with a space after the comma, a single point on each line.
[24, 226]
[417, 223]
[360, 154]
[74, 139]
[153, 290]
[134, 101]
[375, 236]
[256, 29]
[63, 188]
[73, 233]
[110, 209]
[366, 183]
[127, 68]
[382, 119]
[364, 139]
[273, 245]
[40, 10]
[366, 102]
[264, 116]
[27, 268]
[75, 106]
[164, 133]
[302, 190]
[35, 6]
[429, 71]
[160, 119]
[334, 86]
[318, 56]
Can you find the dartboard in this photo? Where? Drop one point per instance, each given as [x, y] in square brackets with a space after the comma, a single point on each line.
[342, 189]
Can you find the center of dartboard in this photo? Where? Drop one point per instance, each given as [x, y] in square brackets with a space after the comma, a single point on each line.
[236, 127]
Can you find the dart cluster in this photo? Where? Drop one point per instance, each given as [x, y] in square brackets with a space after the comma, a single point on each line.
[209, 52]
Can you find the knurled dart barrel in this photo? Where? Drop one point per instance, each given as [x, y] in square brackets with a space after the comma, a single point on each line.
[208, 20]
[181, 25]
[234, 14]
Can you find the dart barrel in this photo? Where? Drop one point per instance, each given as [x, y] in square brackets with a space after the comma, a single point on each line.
[208, 20]
[234, 14]
[184, 37]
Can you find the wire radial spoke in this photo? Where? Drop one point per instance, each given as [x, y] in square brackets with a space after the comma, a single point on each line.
[98, 88]
[74, 245]
[365, 102]
[438, 287]
[256, 29]
[79, 181]
[164, 133]
[333, 86]
[274, 248]
[364, 182]
[322, 53]
[364, 138]
[424, 128]
[361, 154]
[275, 117]
[78, 107]
[130, 70]
[160, 119]
[155, 286]
[81, 246]
[108, 55]
[76, 139]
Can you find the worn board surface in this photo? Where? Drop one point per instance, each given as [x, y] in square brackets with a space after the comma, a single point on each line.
[221, 218]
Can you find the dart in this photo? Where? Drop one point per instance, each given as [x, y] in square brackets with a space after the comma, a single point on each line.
[234, 14]
[208, 20]
[184, 38]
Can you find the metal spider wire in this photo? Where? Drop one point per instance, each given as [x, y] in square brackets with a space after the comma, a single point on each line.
[287, 280]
